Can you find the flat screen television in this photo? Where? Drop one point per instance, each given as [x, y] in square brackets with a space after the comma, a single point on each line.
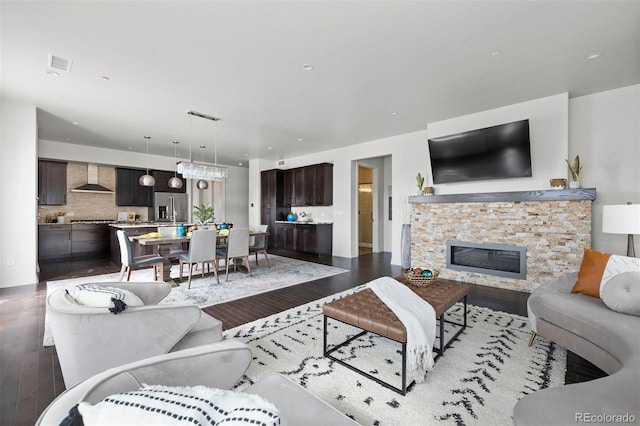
[496, 152]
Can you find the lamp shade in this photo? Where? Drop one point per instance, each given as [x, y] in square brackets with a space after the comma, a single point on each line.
[621, 219]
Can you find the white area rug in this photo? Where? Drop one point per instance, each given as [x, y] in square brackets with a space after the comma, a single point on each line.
[476, 382]
[284, 272]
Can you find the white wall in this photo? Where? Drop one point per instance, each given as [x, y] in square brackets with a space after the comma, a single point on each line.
[18, 192]
[548, 128]
[605, 132]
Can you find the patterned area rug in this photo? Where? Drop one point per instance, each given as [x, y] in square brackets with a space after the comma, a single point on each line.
[284, 272]
[477, 381]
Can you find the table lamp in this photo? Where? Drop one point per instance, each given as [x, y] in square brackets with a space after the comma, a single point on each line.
[622, 219]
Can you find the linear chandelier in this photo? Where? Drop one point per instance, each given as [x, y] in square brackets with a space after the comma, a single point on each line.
[201, 170]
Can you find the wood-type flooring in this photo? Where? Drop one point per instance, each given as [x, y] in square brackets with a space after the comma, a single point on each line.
[30, 376]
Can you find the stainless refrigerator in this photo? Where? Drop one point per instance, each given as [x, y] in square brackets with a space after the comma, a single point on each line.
[171, 207]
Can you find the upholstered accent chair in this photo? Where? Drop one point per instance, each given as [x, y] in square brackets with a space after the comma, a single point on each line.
[129, 262]
[90, 340]
[218, 365]
[202, 249]
[237, 248]
[259, 243]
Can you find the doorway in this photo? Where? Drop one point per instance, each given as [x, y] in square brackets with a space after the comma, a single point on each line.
[365, 210]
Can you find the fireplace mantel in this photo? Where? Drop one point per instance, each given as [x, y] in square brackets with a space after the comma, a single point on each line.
[487, 197]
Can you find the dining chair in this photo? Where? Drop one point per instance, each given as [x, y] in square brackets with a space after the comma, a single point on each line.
[259, 243]
[237, 248]
[202, 249]
[129, 262]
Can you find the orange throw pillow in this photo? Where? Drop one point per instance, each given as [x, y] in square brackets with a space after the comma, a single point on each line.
[590, 274]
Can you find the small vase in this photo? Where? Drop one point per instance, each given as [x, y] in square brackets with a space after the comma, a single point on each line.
[405, 247]
[574, 184]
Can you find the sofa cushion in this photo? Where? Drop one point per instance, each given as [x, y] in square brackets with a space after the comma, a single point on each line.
[96, 296]
[622, 293]
[589, 318]
[164, 405]
[598, 268]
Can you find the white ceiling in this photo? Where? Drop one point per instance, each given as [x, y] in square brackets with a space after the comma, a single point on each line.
[380, 68]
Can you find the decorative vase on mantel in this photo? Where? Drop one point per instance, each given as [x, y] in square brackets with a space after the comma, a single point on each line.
[574, 184]
[405, 247]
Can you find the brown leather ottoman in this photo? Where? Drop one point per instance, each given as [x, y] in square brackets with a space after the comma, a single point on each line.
[365, 311]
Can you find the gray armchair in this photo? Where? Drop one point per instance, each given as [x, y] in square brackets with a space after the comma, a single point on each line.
[90, 340]
[218, 365]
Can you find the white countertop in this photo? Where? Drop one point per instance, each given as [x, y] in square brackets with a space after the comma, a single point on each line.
[147, 224]
[301, 222]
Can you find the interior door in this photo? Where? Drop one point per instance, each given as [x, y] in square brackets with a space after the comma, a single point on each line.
[365, 210]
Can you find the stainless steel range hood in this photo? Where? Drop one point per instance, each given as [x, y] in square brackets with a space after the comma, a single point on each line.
[92, 186]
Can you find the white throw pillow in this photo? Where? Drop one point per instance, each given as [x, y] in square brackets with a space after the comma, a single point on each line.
[97, 296]
[163, 405]
[618, 265]
[622, 293]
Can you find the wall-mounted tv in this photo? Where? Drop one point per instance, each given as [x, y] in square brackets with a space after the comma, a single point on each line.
[497, 152]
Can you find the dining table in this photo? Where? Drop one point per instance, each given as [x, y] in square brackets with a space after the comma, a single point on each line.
[164, 243]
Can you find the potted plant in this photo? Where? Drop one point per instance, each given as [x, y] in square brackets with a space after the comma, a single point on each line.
[420, 180]
[203, 213]
[575, 169]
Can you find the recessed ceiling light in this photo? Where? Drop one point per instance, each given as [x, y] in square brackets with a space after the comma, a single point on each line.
[53, 73]
[593, 55]
[307, 67]
[496, 52]
[300, 139]
[130, 148]
[104, 77]
[269, 148]
[245, 154]
[393, 113]
[240, 164]
[75, 123]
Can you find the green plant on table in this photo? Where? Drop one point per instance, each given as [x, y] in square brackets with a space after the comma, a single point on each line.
[575, 168]
[203, 213]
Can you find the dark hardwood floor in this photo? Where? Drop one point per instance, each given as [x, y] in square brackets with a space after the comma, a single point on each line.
[30, 376]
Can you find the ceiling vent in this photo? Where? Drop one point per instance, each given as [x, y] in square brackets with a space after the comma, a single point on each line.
[59, 63]
[280, 162]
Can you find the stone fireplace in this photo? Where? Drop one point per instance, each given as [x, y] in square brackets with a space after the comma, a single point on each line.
[547, 231]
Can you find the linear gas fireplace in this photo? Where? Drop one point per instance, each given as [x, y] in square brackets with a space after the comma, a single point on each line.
[491, 259]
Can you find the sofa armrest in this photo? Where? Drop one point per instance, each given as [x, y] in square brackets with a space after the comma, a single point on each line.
[219, 365]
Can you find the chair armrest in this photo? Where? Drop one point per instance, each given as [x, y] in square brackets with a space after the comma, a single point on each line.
[219, 365]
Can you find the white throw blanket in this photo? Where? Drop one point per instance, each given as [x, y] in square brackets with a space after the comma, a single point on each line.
[418, 318]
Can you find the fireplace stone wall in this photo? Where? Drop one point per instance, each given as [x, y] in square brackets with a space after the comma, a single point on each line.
[554, 226]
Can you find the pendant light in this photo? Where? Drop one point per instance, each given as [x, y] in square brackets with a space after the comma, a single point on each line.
[202, 184]
[147, 180]
[175, 181]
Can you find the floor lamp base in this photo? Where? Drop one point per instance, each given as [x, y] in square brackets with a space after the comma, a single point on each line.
[631, 248]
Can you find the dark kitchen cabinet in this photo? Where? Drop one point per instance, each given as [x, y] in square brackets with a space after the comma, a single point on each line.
[162, 181]
[54, 241]
[312, 185]
[129, 192]
[89, 239]
[307, 238]
[287, 187]
[271, 201]
[52, 183]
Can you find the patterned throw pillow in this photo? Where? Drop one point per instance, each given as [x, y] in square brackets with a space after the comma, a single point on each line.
[96, 296]
[598, 268]
[197, 405]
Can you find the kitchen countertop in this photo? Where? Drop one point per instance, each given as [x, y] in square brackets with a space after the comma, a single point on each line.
[146, 224]
[302, 222]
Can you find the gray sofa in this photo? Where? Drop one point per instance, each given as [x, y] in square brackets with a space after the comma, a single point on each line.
[608, 339]
[219, 365]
